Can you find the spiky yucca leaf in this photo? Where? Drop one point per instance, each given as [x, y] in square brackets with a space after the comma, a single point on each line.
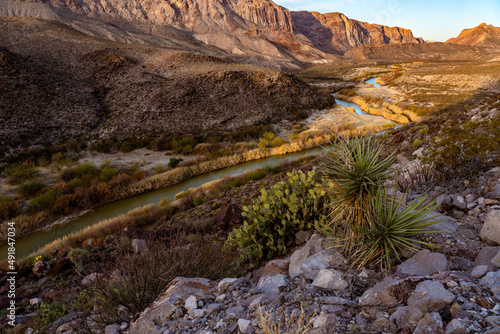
[392, 229]
[356, 169]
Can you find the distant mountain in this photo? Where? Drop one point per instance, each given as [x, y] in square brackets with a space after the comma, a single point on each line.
[257, 31]
[483, 35]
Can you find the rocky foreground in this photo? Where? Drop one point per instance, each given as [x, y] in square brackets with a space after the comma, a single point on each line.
[452, 289]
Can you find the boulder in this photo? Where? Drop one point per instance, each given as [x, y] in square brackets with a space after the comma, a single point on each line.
[455, 326]
[458, 202]
[429, 296]
[302, 237]
[40, 268]
[275, 267]
[112, 329]
[312, 257]
[324, 321]
[400, 317]
[273, 284]
[225, 284]
[424, 263]
[389, 291]
[443, 202]
[191, 303]
[495, 193]
[490, 232]
[165, 305]
[330, 279]
[492, 282]
[484, 257]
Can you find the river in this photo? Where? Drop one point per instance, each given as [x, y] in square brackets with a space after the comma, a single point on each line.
[34, 241]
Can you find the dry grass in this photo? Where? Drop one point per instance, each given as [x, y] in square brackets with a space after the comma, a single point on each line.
[296, 323]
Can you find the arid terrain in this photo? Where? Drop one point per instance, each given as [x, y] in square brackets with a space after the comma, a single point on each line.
[104, 101]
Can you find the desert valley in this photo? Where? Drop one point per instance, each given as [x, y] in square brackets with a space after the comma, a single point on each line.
[233, 166]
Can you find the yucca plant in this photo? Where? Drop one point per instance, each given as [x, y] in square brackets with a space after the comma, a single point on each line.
[356, 170]
[392, 229]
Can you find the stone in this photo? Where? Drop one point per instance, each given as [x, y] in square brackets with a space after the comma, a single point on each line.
[443, 202]
[424, 263]
[495, 193]
[470, 198]
[431, 323]
[458, 202]
[227, 217]
[138, 245]
[302, 237]
[484, 257]
[40, 268]
[124, 326]
[196, 313]
[490, 232]
[214, 308]
[275, 267]
[36, 302]
[324, 321]
[220, 298]
[225, 284]
[489, 201]
[479, 271]
[496, 260]
[273, 284]
[330, 279]
[245, 326]
[312, 257]
[112, 329]
[191, 303]
[493, 331]
[455, 326]
[493, 321]
[429, 296]
[386, 292]
[90, 279]
[400, 317]
[177, 291]
[492, 281]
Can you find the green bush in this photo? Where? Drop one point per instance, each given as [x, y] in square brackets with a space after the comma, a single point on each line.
[126, 147]
[274, 218]
[44, 201]
[184, 145]
[21, 173]
[423, 131]
[107, 174]
[173, 162]
[270, 140]
[417, 143]
[30, 188]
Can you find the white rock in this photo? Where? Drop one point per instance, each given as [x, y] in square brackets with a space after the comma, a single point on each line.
[196, 313]
[220, 298]
[324, 321]
[191, 303]
[330, 279]
[273, 284]
[245, 326]
[225, 284]
[35, 301]
[490, 232]
[138, 245]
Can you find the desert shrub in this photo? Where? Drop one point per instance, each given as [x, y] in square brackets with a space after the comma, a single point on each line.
[77, 257]
[356, 170]
[65, 204]
[270, 140]
[8, 208]
[135, 280]
[21, 172]
[465, 149]
[120, 180]
[390, 235]
[423, 131]
[107, 174]
[126, 147]
[30, 187]
[417, 143]
[85, 172]
[173, 162]
[44, 201]
[247, 133]
[275, 217]
[371, 227]
[272, 322]
[184, 145]
[159, 169]
[138, 175]
[48, 313]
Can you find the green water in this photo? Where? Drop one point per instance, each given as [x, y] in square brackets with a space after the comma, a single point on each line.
[36, 240]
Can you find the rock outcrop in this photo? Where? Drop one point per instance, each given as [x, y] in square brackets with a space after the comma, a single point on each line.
[483, 35]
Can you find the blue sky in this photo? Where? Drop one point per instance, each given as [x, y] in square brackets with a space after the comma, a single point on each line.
[435, 20]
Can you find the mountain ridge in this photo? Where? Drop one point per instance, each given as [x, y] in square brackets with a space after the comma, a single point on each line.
[483, 35]
[259, 30]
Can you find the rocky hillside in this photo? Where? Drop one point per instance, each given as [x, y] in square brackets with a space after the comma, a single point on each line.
[59, 84]
[483, 35]
[258, 31]
[336, 33]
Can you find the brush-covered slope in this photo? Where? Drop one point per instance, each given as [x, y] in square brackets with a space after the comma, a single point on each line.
[58, 84]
